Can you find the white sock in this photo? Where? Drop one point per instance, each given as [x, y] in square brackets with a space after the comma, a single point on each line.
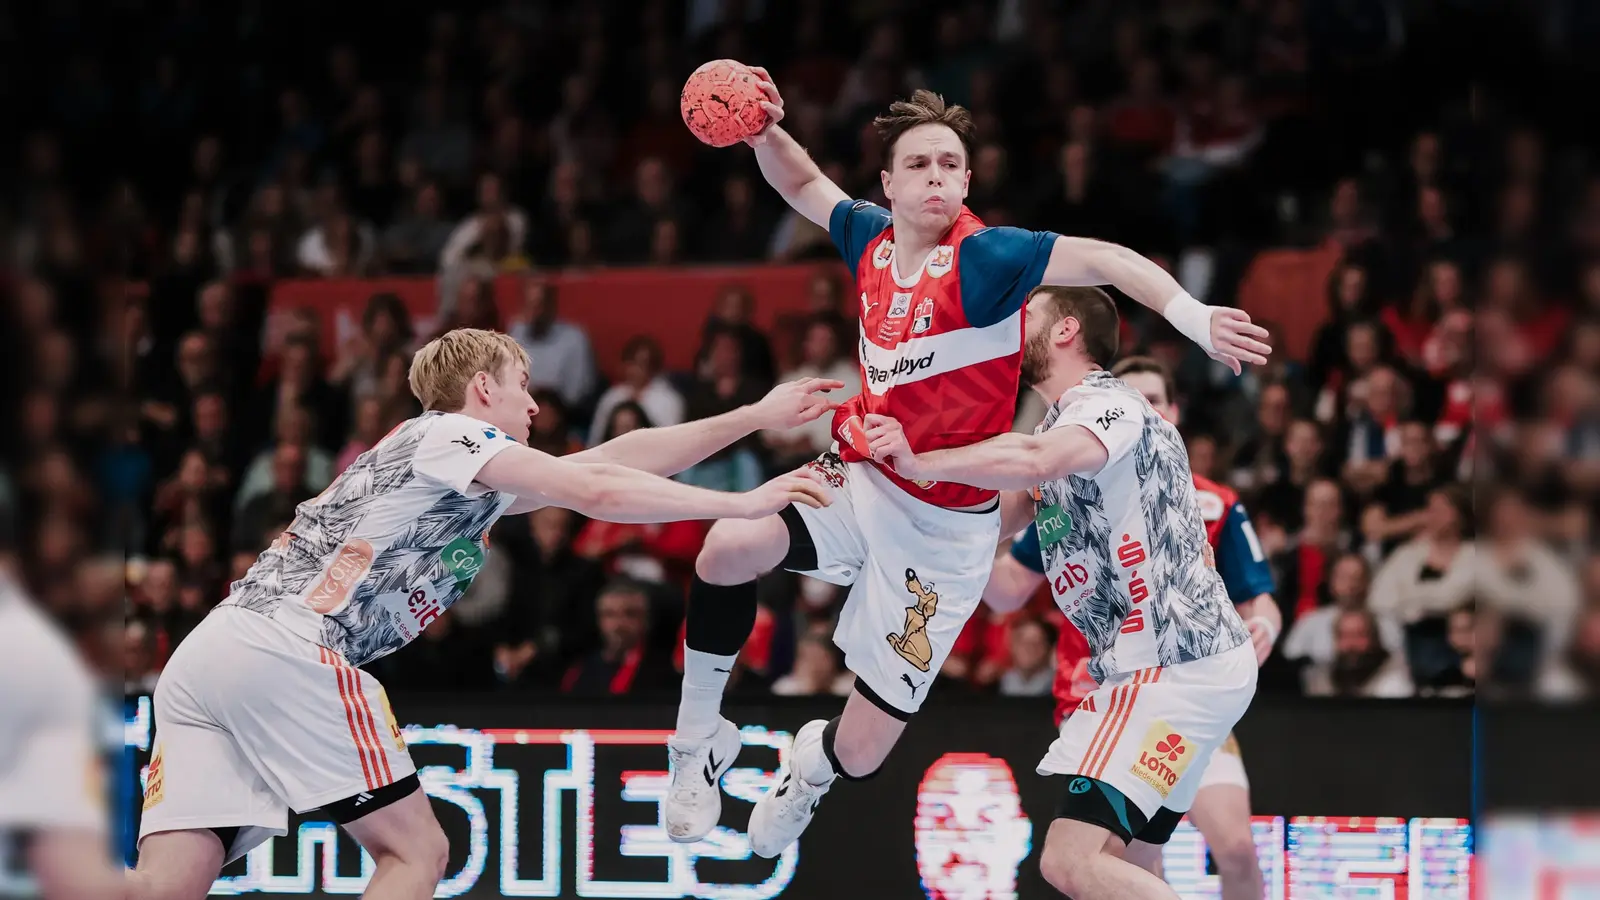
[808, 761]
[705, 675]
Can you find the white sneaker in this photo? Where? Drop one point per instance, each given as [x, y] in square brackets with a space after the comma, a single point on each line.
[694, 801]
[785, 811]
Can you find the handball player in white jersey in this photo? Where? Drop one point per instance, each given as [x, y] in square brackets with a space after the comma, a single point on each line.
[1107, 482]
[263, 708]
[52, 785]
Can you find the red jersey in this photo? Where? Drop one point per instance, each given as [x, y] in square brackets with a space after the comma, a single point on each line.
[941, 348]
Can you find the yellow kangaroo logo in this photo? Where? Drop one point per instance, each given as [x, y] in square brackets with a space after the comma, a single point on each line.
[913, 645]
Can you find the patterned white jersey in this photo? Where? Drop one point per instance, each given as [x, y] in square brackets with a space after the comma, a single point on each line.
[389, 546]
[1125, 550]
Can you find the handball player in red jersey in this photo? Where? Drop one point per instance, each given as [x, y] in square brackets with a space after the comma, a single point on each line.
[1221, 808]
[941, 345]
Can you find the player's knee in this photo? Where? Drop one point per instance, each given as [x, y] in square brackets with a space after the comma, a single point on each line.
[1235, 856]
[434, 853]
[740, 551]
[1061, 869]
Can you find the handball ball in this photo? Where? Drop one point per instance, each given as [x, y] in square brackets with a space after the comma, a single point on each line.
[721, 103]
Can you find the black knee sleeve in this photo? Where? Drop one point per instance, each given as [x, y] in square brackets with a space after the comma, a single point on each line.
[829, 734]
[1092, 800]
[720, 617]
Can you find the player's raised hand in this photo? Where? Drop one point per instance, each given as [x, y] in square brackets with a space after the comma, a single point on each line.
[887, 444]
[795, 403]
[782, 492]
[773, 105]
[1237, 339]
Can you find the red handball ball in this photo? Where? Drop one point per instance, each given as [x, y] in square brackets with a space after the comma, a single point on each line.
[721, 103]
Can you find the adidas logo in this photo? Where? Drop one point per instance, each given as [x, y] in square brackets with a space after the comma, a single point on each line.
[362, 798]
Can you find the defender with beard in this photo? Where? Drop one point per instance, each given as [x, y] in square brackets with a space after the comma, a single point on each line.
[1124, 542]
[941, 350]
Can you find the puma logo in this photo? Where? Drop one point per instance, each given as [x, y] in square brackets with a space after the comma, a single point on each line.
[913, 644]
[911, 684]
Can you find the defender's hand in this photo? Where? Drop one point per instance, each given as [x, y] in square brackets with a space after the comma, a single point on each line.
[781, 492]
[795, 403]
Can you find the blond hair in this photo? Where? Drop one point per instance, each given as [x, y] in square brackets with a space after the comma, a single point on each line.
[442, 369]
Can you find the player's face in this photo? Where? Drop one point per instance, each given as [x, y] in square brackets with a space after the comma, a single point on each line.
[511, 407]
[928, 182]
[1154, 389]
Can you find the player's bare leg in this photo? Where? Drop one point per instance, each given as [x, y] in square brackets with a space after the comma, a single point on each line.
[1077, 862]
[721, 614]
[1147, 857]
[1222, 813]
[851, 747]
[69, 863]
[409, 847]
[176, 865]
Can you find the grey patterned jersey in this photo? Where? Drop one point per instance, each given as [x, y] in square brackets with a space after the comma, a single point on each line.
[389, 545]
[1125, 551]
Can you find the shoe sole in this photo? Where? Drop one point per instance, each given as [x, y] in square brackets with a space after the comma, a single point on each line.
[717, 786]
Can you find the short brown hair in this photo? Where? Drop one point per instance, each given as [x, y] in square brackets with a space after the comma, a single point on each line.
[924, 108]
[1096, 314]
[445, 365]
[1148, 365]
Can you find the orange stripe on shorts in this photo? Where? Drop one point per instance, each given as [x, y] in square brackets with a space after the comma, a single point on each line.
[372, 726]
[1113, 710]
[1139, 678]
[330, 659]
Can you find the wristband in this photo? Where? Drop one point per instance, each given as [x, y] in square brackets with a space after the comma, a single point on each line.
[1192, 319]
[1272, 630]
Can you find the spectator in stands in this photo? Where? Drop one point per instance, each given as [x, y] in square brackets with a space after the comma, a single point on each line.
[1032, 669]
[261, 510]
[552, 430]
[1076, 199]
[1399, 505]
[294, 428]
[414, 242]
[1282, 498]
[740, 228]
[385, 330]
[300, 385]
[559, 354]
[366, 429]
[628, 238]
[494, 232]
[1370, 438]
[189, 496]
[642, 383]
[338, 246]
[445, 657]
[724, 385]
[817, 671]
[1425, 579]
[1522, 579]
[1349, 301]
[1302, 567]
[1311, 640]
[1361, 666]
[731, 315]
[820, 357]
[441, 144]
[1260, 461]
[1579, 676]
[622, 664]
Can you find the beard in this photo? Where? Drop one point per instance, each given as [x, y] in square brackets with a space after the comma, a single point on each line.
[1036, 358]
[1352, 671]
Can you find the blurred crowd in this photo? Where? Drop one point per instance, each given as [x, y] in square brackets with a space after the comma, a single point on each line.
[1421, 478]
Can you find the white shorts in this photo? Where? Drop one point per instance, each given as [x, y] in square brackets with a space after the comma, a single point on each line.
[252, 721]
[1226, 768]
[1152, 733]
[916, 574]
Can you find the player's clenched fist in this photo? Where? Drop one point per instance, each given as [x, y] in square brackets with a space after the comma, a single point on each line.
[887, 444]
[782, 492]
[795, 403]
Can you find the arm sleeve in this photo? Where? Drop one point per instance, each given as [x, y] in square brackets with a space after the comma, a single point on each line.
[1025, 550]
[455, 448]
[1111, 417]
[999, 266]
[852, 225]
[1240, 560]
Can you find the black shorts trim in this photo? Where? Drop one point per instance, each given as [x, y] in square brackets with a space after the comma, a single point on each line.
[368, 802]
[1091, 800]
[879, 702]
[802, 555]
[1160, 828]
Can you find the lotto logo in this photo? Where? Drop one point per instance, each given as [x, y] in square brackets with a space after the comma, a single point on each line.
[154, 784]
[1163, 757]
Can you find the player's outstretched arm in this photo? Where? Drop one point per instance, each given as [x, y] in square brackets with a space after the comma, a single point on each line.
[1010, 583]
[1226, 334]
[786, 165]
[1008, 461]
[618, 494]
[668, 450]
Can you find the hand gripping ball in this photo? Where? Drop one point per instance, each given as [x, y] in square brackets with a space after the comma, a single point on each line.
[721, 103]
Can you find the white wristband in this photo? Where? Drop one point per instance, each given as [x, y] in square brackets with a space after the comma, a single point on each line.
[1264, 622]
[1192, 319]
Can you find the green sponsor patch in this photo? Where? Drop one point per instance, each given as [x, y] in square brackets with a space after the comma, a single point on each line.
[1054, 524]
[462, 557]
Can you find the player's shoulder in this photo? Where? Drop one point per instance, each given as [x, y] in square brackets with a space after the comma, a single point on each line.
[459, 428]
[1225, 496]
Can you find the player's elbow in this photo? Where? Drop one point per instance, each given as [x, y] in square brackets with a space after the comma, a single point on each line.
[594, 490]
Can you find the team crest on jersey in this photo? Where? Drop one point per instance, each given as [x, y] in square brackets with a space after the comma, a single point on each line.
[924, 317]
[900, 305]
[1211, 508]
[912, 643]
[883, 255]
[944, 256]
